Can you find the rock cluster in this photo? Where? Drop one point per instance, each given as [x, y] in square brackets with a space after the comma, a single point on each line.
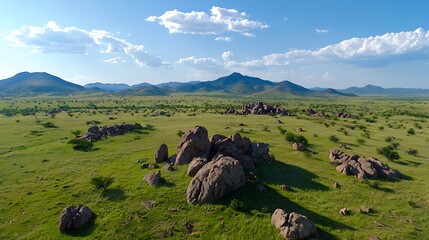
[259, 108]
[361, 167]
[313, 112]
[217, 164]
[292, 225]
[74, 217]
[96, 133]
[345, 115]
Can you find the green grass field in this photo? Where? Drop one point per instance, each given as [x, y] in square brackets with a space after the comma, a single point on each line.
[40, 173]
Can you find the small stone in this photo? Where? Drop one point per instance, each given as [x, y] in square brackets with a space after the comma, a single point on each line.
[336, 185]
[285, 187]
[149, 204]
[170, 209]
[344, 211]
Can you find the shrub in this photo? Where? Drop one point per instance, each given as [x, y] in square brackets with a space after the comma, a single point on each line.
[48, 125]
[101, 182]
[412, 152]
[282, 130]
[76, 133]
[290, 137]
[411, 131]
[81, 145]
[180, 133]
[389, 139]
[237, 205]
[334, 138]
[388, 152]
[361, 141]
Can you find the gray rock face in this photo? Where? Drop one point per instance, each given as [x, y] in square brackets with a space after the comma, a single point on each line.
[361, 167]
[74, 217]
[161, 155]
[215, 180]
[194, 143]
[153, 178]
[195, 165]
[293, 226]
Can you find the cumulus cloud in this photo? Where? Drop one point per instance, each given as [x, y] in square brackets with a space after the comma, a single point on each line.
[321, 30]
[227, 56]
[51, 38]
[225, 39]
[372, 51]
[249, 35]
[200, 63]
[220, 20]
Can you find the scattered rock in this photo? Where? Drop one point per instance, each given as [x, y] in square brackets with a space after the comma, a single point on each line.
[74, 217]
[293, 226]
[149, 204]
[168, 167]
[194, 143]
[380, 224]
[298, 146]
[260, 188]
[251, 177]
[95, 133]
[285, 187]
[149, 166]
[278, 121]
[361, 167]
[345, 115]
[365, 209]
[189, 227]
[342, 145]
[215, 180]
[195, 165]
[231, 110]
[298, 129]
[161, 155]
[153, 178]
[170, 209]
[344, 211]
[336, 185]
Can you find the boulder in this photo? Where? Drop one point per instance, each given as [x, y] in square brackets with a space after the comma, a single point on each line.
[260, 152]
[168, 167]
[293, 226]
[298, 146]
[161, 155]
[285, 187]
[195, 165]
[260, 188]
[74, 217]
[344, 211]
[153, 178]
[194, 143]
[298, 129]
[215, 180]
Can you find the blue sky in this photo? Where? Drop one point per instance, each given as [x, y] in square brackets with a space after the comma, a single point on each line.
[312, 43]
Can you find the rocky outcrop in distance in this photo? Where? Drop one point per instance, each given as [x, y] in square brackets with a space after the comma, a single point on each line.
[259, 108]
[362, 167]
[96, 133]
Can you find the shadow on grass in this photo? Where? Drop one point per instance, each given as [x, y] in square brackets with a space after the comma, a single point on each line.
[409, 162]
[279, 173]
[165, 183]
[85, 230]
[114, 194]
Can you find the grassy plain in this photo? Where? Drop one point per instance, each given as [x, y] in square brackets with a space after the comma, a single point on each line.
[40, 173]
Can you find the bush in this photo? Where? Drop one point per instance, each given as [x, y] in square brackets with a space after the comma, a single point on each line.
[237, 205]
[101, 182]
[81, 145]
[334, 138]
[282, 130]
[180, 133]
[412, 152]
[361, 141]
[290, 137]
[48, 125]
[388, 152]
[411, 131]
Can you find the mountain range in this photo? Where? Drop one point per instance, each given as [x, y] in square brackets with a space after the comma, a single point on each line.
[27, 84]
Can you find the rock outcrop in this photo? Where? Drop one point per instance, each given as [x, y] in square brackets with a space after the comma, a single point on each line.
[153, 178]
[259, 108]
[293, 226]
[161, 155]
[74, 217]
[215, 180]
[194, 143]
[96, 133]
[362, 167]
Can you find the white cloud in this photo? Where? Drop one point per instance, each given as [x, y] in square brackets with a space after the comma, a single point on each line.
[321, 30]
[227, 56]
[71, 40]
[219, 21]
[248, 34]
[366, 52]
[225, 39]
[206, 63]
[114, 60]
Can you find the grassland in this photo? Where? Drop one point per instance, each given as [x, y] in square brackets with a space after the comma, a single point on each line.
[40, 173]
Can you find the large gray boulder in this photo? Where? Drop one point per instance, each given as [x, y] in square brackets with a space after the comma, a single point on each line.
[194, 143]
[74, 217]
[215, 180]
[153, 178]
[293, 226]
[161, 155]
[195, 165]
